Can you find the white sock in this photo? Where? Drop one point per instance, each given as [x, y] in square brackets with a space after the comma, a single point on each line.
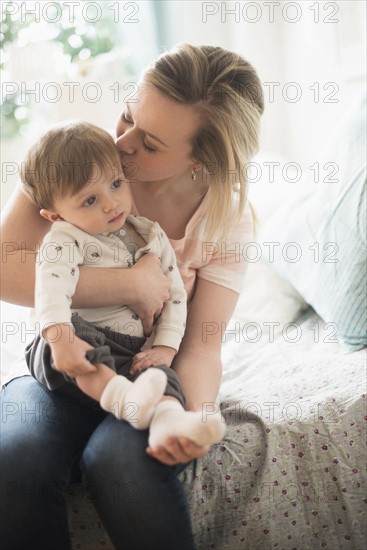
[134, 401]
[170, 419]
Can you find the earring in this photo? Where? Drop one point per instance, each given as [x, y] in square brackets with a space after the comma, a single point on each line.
[193, 175]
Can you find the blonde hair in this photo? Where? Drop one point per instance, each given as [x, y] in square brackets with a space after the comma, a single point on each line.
[226, 92]
[65, 159]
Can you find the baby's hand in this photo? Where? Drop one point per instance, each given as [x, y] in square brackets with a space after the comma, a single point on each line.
[158, 355]
[68, 351]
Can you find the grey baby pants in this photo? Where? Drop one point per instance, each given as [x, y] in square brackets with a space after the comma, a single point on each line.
[111, 348]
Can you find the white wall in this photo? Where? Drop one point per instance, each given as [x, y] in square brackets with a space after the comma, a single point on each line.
[316, 44]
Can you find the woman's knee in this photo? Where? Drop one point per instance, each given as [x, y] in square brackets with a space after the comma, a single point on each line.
[41, 436]
[116, 454]
[23, 435]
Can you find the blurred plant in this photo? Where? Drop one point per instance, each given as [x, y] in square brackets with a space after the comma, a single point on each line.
[10, 27]
[79, 39]
[15, 114]
[83, 41]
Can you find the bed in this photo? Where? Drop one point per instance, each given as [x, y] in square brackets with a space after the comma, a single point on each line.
[290, 472]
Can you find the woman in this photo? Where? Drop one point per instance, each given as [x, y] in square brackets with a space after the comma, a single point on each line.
[185, 139]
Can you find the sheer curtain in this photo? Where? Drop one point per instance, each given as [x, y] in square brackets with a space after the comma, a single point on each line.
[310, 56]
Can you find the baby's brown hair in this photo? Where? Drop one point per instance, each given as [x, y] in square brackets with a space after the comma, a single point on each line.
[65, 159]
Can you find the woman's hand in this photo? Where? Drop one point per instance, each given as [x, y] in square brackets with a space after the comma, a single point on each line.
[151, 290]
[177, 450]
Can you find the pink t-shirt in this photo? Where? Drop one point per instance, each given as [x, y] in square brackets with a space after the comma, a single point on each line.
[223, 263]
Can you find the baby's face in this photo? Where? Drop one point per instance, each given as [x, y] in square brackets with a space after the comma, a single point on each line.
[101, 206]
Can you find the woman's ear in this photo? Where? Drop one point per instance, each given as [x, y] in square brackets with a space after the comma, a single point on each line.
[199, 165]
[50, 216]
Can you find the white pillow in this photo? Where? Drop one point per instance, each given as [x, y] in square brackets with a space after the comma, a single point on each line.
[268, 298]
[321, 235]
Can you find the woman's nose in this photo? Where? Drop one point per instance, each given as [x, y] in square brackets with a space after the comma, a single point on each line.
[126, 143]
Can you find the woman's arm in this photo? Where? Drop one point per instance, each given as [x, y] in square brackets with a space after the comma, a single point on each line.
[198, 362]
[22, 228]
[143, 288]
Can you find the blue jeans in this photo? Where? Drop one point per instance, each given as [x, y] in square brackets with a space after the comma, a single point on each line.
[45, 438]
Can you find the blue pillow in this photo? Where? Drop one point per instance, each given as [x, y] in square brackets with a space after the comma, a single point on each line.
[322, 236]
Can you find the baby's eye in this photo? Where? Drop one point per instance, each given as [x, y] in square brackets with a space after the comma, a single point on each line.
[89, 201]
[116, 184]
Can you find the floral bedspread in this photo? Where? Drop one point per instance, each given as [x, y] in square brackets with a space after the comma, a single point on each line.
[291, 471]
